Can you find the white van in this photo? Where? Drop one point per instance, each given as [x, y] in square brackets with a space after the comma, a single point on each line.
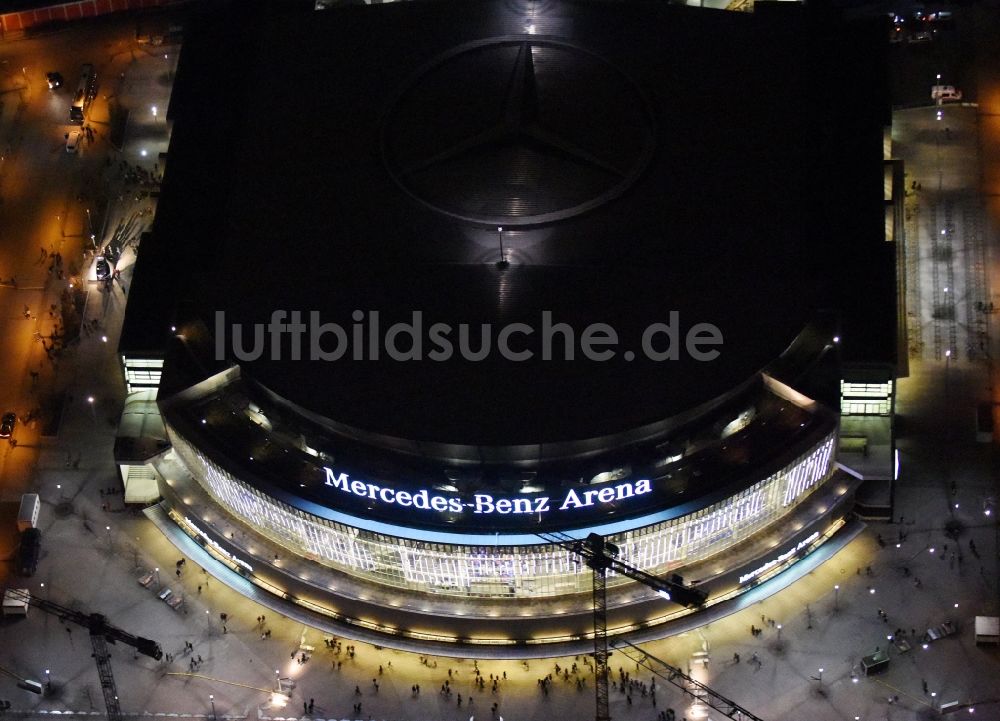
[27, 514]
[944, 93]
[15, 602]
[73, 141]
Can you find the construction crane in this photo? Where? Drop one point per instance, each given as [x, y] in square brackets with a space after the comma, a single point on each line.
[701, 693]
[602, 556]
[101, 634]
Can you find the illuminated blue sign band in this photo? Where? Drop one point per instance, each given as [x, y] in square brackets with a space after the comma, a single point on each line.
[760, 570]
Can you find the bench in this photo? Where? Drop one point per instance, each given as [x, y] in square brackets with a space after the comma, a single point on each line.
[937, 632]
[854, 444]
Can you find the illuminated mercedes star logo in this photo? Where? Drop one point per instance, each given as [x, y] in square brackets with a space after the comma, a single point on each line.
[517, 131]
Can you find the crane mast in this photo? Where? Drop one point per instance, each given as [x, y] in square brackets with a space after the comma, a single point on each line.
[102, 657]
[601, 556]
[600, 637]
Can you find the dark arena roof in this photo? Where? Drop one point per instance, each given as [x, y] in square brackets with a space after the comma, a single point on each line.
[642, 159]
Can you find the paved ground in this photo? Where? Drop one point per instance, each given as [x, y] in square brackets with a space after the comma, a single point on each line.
[91, 555]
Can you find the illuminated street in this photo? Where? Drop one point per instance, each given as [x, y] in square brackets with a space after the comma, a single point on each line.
[53, 201]
[254, 655]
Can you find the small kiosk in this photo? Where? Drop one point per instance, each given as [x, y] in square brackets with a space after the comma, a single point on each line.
[987, 629]
[875, 663]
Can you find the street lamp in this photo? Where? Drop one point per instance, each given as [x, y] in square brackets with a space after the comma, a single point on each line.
[500, 235]
[90, 229]
[208, 621]
[90, 400]
[211, 697]
[836, 598]
[107, 530]
[779, 632]
[947, 414]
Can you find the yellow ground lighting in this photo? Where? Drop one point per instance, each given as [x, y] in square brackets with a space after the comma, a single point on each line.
[221, 680]
[698, 711]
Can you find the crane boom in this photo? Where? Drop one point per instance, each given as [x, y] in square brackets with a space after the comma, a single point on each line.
[597, 552]
[101, 634]
[692, 687]
[95, 623]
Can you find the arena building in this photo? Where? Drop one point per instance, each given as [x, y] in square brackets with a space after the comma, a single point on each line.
[428, 280]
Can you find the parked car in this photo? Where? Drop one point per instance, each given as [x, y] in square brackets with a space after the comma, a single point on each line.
[28, 552]
[937, 16]
[111, 253]
[73, 141]
[7, 425]
[103, 268]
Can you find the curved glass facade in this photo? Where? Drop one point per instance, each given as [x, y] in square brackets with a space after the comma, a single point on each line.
[504, 571]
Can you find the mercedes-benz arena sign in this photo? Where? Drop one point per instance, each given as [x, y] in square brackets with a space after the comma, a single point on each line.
[484, 503]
